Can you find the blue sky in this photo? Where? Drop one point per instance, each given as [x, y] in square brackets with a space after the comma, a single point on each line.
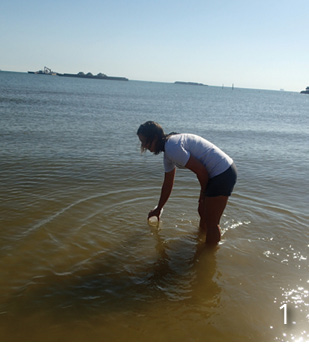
[260, 44]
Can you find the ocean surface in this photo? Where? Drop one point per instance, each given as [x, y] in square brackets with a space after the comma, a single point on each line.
[78, 261]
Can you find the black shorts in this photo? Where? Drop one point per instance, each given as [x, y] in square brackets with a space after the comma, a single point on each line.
[223, 183]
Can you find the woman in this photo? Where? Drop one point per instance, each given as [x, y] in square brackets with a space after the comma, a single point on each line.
[214, 169]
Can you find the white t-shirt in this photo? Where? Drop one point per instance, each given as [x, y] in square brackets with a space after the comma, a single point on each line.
[179, 147]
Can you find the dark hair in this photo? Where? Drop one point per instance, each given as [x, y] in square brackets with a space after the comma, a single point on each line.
[151, 130]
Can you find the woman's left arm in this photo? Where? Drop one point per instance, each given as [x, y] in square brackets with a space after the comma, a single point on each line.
[166, 190]
[200, 171]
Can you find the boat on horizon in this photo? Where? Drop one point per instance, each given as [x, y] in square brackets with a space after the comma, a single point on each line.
[305, 91]
[45, 71]
[48, 71]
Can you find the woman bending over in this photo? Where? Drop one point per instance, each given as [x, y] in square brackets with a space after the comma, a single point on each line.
[214, 169]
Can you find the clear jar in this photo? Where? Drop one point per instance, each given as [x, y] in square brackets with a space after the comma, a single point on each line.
[154, 220]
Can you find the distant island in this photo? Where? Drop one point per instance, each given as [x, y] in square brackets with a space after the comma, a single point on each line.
[305, 91]
[48, 71]
[189, 83]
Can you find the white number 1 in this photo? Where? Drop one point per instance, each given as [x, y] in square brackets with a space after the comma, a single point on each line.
[284, 306]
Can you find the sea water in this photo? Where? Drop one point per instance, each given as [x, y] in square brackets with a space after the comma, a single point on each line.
[78, 261]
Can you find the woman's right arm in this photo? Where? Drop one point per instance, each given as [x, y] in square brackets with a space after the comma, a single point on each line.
[166, 190]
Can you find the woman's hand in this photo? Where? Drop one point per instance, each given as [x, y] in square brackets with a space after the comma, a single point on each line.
[201, 210]
[155, 212]
[201, 204]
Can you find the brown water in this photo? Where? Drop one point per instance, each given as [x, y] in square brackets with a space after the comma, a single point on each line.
[78, 260]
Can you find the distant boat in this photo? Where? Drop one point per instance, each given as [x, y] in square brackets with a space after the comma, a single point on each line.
[305, 91]
[46, 71]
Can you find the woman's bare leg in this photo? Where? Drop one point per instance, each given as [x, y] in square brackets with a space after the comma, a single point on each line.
[211, 210]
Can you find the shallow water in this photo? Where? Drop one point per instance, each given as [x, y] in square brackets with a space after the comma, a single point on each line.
[78, 260]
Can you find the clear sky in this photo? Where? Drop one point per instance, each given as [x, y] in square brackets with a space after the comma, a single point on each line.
[250, 43]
